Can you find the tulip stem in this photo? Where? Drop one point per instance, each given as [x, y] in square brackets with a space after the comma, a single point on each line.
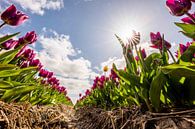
[190, 16]
[171, 55]
[2, 25]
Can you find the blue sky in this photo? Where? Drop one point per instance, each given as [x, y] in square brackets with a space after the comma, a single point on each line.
[76, 37]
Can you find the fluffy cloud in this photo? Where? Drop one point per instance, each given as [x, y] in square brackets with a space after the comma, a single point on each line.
[119, 62]
[55, 51]
[39, 6]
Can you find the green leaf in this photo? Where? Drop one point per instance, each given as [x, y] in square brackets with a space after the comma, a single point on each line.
[7, 37]
[188, 55]
[18, 91]
[8, 56]
[5, 85]
[150, 59]
[179, 70]
[7, 66]
[155, 89]
[188, 29]
[9, 73]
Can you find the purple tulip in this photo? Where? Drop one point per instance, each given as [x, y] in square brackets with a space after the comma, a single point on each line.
[20, 52]
[29, 38]
[9, 44]
[87, 92]
[50, 74]
[28, 54]
[113, 75]
[143, 53]
[178, 7]
[53, 81]
[183, 48]
[13, 17]
[188, 20]
[43, 73]
[157, 40]
[24, 64]
[36, 63]
[80, 95]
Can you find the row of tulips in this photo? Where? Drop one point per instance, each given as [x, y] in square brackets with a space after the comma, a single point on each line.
[151, 81]
[22, 77]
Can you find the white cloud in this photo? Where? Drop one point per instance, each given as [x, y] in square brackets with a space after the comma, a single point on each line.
[56, 50]
[119, 62]
[39, 6]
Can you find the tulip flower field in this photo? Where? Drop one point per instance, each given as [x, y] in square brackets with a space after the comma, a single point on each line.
[159, 82]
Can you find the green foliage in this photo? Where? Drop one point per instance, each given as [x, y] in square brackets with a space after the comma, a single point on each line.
[187, 29]
[7, 37]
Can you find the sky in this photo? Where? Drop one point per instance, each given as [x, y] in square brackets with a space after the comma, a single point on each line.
[76, 37]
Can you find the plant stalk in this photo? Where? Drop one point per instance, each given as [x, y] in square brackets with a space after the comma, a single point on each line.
[2, 25]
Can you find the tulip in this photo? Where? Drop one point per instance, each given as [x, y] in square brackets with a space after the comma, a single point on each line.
[143, 54]
[87, 92]
[28, 54]
[53, 81]
[36, 63]
[178, 7]
[113, 75]
[43, 73]
[29, 38]
[157, 41]
[189, 20]
[9, 44]
[105, 69]
[13, 17]
[50, 74]
[80, 95]
[183, 48]
[24, 64]
[20, 52]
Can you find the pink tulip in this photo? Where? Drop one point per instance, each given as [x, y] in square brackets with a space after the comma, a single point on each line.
[43, 73]
[36, 63]
[9, 44]
[157, 41]
[178, 7]
[13, 17]
[24, 64]
[183, 48]
[143, 53]
[188, 20]
[29, 38]
[28, 54]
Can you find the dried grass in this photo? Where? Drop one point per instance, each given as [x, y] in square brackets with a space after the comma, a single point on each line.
[26, 116]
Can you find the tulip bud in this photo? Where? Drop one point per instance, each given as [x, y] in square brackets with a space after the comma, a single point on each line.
[178, 7]
[13, 17]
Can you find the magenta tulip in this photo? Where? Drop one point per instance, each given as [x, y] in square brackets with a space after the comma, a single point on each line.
[188, 20]
[183, 48]
[143, 53]
[50, 74]
[24, 64]
[28, 54]
[9, 44]
[43, 73]
[178, 7]
[29, 38]
[13, 17]
[36, 63]
[157, 41]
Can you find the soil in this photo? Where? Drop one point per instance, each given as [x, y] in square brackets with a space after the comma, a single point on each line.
[133, 118]
[26, 116]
